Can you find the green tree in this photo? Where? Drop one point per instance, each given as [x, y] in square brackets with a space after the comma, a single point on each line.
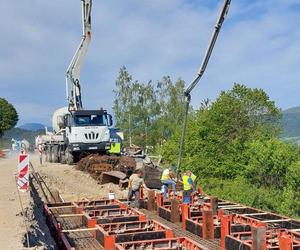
[233, 145]
[293, 179]
[123, 102]
[170, 97]
[218, 133]
[147, 110]
[148, 113]
[8, 116]
[267, 162]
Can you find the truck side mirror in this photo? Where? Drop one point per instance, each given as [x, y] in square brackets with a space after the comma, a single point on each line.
[110, 121]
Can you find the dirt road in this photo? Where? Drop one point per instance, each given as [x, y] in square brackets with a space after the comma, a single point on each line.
[72, 184]
[12, 227]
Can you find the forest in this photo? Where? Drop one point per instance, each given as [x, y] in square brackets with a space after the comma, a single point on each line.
[233, 143]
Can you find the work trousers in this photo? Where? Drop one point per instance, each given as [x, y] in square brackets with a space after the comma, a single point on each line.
[135, 193]
[187, 196]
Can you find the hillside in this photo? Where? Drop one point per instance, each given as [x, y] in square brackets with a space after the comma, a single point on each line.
[19, 134]
[32, 126]
[291, 123]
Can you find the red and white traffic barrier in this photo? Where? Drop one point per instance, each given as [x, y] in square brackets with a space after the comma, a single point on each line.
[23, 173]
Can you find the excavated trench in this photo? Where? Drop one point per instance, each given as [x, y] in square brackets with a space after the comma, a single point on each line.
[38, 232]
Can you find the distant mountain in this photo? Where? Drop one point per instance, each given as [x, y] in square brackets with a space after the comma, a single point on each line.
[291, 122]
[19, 134]
[293, 110]
[32, 126]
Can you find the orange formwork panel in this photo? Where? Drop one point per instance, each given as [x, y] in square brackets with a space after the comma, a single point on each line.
[111, 233]
[74, 224]
[161, 244]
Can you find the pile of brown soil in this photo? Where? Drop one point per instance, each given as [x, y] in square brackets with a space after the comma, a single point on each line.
[96, 164]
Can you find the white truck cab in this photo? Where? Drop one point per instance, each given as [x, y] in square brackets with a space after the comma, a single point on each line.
[87, 131]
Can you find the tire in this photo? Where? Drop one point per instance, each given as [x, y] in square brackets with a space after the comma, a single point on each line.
[47, 154]
[62, 158]
[62, 155]
[69, 157]
[55, 157]
[50, 158]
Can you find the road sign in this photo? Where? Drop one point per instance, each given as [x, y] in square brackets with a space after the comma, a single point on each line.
[23, 173]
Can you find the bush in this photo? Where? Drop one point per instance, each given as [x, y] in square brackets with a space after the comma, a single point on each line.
[241, 191]
[268, 162]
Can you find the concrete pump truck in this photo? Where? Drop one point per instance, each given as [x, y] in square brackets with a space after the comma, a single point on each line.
[76, 131]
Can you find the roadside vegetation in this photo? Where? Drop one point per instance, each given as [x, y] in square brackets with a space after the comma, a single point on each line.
[8, 117]
[233, 143]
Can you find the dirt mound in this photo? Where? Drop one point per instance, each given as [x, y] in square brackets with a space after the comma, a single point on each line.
[96, 165]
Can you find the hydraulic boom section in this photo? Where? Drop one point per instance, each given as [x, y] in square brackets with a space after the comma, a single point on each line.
[200, 73]
[73, 88]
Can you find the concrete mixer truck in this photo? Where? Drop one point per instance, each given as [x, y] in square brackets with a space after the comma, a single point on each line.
[76, 131]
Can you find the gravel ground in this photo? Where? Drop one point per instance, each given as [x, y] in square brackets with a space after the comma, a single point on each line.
[74, 185]
[12, 225]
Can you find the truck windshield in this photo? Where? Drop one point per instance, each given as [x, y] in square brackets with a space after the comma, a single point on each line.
[90, 120]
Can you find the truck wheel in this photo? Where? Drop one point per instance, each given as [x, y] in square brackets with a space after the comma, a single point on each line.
[47, 154]
[63, 158]
[69, 158]
[55, 154]
[58, 153]
[50, 154]
[62, 155]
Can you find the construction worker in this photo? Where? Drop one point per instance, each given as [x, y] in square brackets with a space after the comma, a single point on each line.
[194, 179]
[134, 185]
[187, 182]
[167, 179]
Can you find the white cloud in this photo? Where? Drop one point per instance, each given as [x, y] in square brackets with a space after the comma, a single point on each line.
[259, 46]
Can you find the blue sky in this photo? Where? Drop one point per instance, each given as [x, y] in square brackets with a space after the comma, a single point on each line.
[259, 46]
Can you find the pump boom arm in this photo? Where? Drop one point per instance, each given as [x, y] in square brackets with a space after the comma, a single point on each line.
[73, 87]
[200, 73]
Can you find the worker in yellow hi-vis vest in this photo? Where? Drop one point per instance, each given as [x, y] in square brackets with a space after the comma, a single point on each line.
[194, 179]
[168, 179]
[188, 186]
